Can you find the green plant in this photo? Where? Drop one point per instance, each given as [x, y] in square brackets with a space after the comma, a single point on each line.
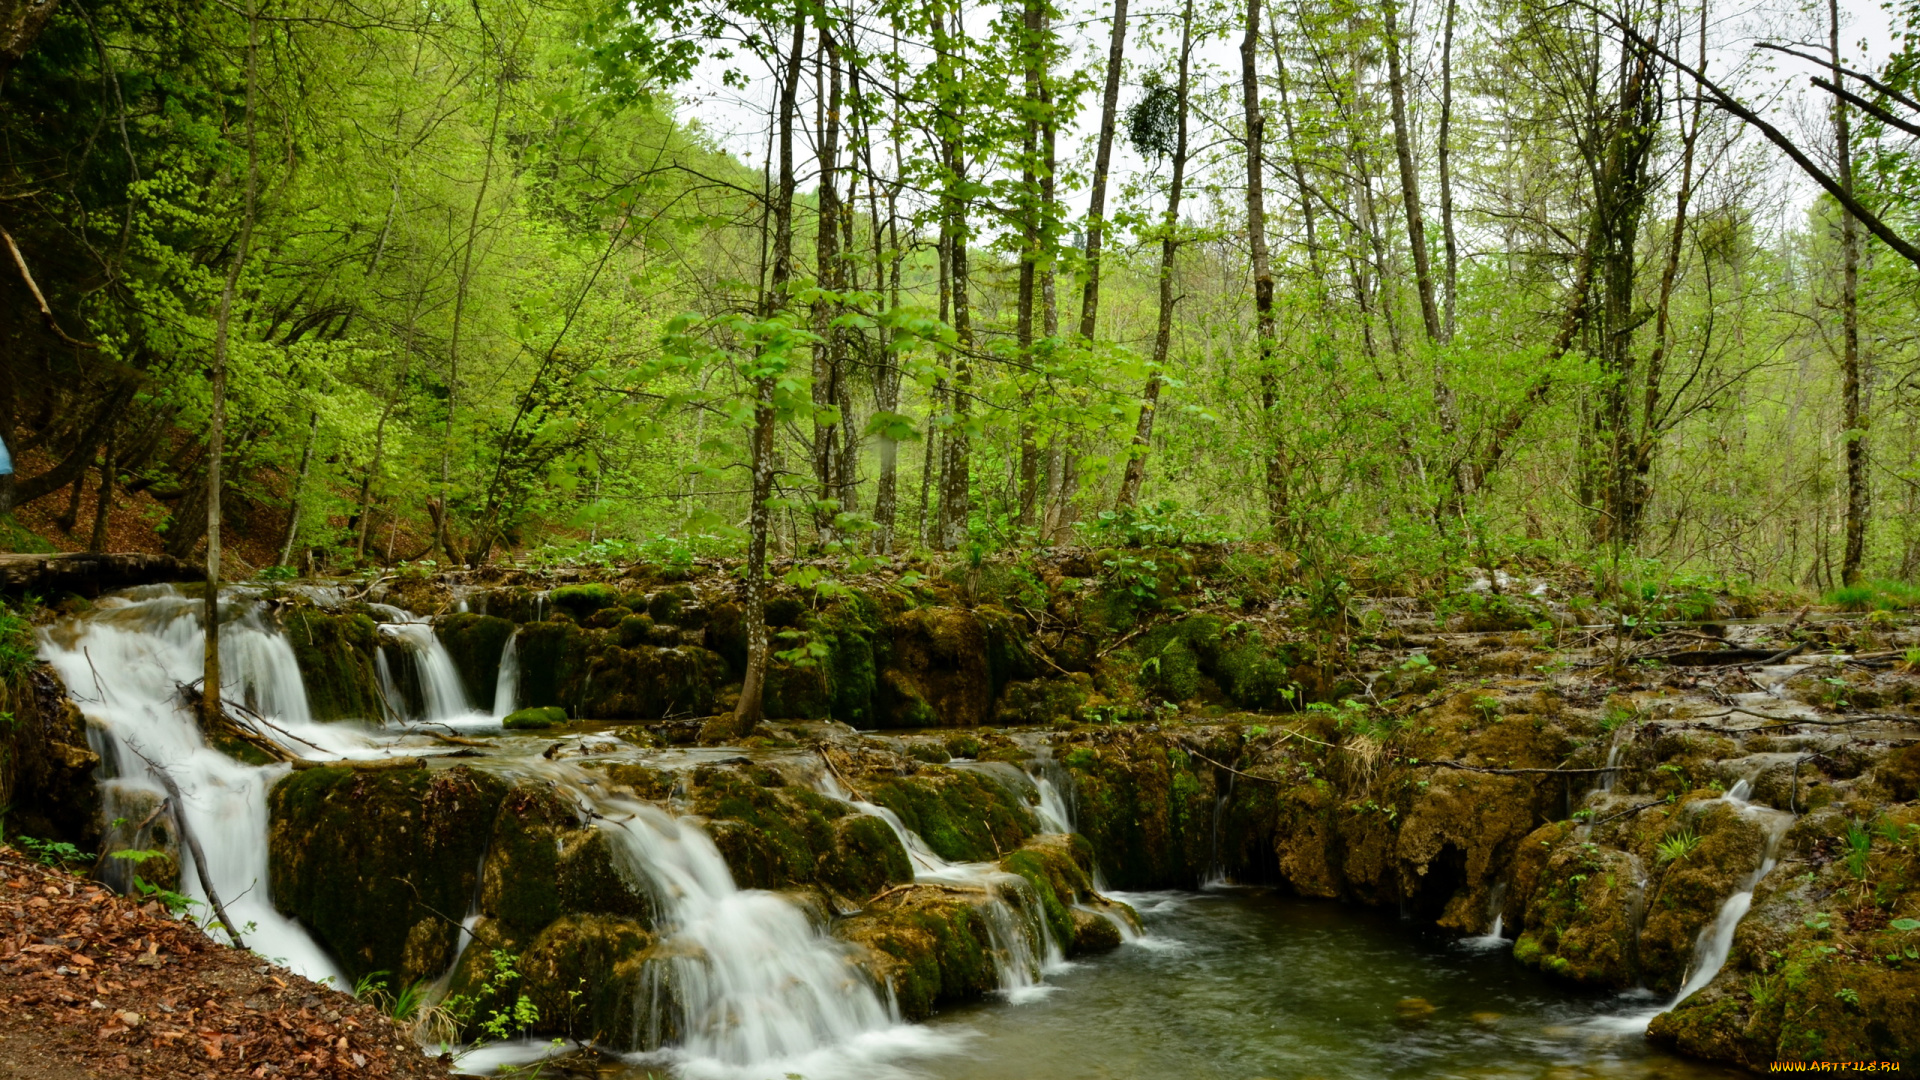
[279, 573]
[18, 651]
[1677, 847]
[177, 903]
[503, 1022]
[57, 853]
[1859, 850]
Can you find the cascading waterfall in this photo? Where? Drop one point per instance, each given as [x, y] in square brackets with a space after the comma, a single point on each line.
[749, 988]
[506, 685]
[444, 696]
[1716, 940]
[134, 653]
[1023, 944]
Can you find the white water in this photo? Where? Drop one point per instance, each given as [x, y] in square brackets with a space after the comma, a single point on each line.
[1711, 948]
[123, 667]
[754, 990]
[750, 985]
[506, 685]
[444, 697]
[1023, 945]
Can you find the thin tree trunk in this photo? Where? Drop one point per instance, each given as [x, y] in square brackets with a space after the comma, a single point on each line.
[380, 438]
[1033, 27]
[1256, 122]
[1451, 284]
[748, 711]
[1859, 493]
[1409, 179]
[956, 464]
[441, 537]
[1136, 470]
[1102, 164]
[299, 489]
[103, 498]
[217, 422]
[827, 366]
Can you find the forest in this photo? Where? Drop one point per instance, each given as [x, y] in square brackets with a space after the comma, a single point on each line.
[1620, 285]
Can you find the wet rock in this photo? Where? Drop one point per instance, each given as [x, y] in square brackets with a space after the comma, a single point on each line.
[363, 858]
[963, 817]
[539, 716]
[929, 943]
[474, 643]
[777, 836]
[583, 974]
[336, 657]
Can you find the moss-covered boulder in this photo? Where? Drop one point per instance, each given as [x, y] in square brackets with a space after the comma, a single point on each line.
[583, 975]
[475, 643]
[963, 817]
[775, 835]
[539, 716]
[1060, 870]
[378, 864]
[937, 670]
[931, 945]
[336, 653]
[544, 863]
[582, 600]
[553, 661]
[1147, 808]
[649, 683]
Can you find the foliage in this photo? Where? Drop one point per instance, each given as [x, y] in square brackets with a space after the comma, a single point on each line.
[1677, 847]
[18, 649]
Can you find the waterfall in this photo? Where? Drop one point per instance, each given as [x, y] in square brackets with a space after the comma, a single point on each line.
[440, 687]
[1052, 809]
[506, 685]
[747, 980]
[1716, 939]
[123, 667]
[1023, 945]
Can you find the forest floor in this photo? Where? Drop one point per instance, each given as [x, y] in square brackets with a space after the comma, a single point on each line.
[98, 985]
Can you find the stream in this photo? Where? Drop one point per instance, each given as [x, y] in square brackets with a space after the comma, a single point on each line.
[1227, 983]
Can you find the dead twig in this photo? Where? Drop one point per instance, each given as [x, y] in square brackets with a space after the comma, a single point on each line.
[193, 844]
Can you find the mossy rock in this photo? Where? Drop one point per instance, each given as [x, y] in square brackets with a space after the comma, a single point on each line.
[475, 643]
[583, 974]
[930, 946]
[648, 683]
[1048, 865]
[553, 660]
[543, 716]
[1579, 923]
[962, 816]
[335, 653]
[581, 601]
[1040, 701]
[937, 671]
[1093, 933]
[1147, 810]
[776, 836]
[364, 858]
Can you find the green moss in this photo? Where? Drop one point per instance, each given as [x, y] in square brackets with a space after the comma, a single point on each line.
[1034, 868]
[931, 948]
[583, 973]
[336, 658]
[539, 717]
[553, 658]
[364, 859]
[583, 600]
[1146, 812]
[474, 643]
[962, 817]
[775, 836]
[866, 858]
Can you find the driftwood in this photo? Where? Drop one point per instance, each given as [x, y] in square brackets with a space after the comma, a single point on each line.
[370, 765]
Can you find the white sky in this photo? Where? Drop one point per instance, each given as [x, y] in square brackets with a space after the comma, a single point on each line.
[737, 118]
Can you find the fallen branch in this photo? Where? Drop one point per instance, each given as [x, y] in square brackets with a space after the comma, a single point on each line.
[1520, 772]
[373, 765]
[193, 845]
[46, 313]
[837, 775]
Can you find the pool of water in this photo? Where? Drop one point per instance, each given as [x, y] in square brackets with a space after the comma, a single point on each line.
[1243, 984]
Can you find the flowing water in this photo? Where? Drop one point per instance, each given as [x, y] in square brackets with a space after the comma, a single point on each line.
[1242, 984]
[1228, 983]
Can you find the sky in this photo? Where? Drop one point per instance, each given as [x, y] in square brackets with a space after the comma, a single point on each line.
[736, 118]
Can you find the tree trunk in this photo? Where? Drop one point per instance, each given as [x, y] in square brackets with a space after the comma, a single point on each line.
[1451, 284]
[956, 463]
[1031, 210]
[1102, 163]
[748, 711]
[827, 364]
[1859, 491]
[1256, 122]
[103, 499]
[217, 423]
[299, 489]
[1136, 469]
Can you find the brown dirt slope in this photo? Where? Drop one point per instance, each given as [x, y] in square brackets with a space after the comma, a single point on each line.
[98, 985]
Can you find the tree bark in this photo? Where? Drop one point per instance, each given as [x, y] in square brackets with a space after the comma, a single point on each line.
[828, 367]
[103, 499]
[217, 423]
[751, 706]
[956, 460]
[1102, 164]
[1859, 492]
[299, 489]
[1136, 470]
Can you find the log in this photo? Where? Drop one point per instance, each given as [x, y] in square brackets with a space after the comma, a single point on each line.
[89, 573]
